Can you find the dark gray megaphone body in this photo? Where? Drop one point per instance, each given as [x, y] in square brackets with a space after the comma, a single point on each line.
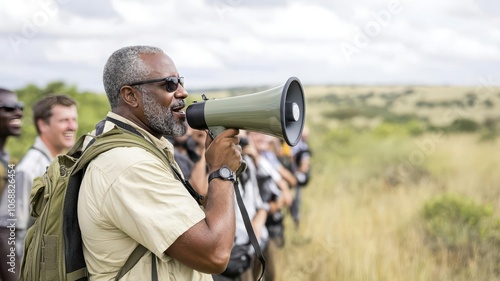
[278, 112]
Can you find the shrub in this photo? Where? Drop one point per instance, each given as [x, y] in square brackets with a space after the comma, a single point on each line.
[412, 127]
[453, 220]
[463, 125]
[386, 129]
[344, 113]
[460, 231]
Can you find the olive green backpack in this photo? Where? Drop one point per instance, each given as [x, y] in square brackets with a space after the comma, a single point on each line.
[53, 245]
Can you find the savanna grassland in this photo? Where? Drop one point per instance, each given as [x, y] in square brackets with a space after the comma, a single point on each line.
[405, 181]
[405, 186]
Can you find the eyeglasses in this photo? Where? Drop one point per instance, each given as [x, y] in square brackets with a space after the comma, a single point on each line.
[171, 83]
[10, 107]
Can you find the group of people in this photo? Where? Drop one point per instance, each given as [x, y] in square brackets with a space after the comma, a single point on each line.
[129, 196]
[270, 187]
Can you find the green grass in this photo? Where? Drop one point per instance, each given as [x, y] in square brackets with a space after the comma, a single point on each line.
[358, 226]
[379, 163]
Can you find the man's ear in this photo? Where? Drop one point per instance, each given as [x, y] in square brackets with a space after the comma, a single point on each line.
[130, 96]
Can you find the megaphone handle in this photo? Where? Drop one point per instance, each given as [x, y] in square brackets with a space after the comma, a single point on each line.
[212, 136]
[215, 131]
[218, 130]
[241, 168]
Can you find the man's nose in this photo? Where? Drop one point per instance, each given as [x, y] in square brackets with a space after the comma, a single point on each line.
[18, 112]
[181, 92]
[73, 125]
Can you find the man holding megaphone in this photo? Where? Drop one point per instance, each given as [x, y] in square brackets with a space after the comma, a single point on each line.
[129, 196]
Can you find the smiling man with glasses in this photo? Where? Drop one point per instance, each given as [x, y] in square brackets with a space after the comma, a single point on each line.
[129, 196]
[11, 113]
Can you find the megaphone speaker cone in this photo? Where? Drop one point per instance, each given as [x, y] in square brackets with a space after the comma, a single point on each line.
[279, 112]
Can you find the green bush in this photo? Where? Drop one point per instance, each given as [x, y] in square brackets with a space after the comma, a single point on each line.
[386, 129]
[341, 136]
[462, 229]
[463, 125]
[344, 113]
[453, 220]
[491, 246]
[411, 127]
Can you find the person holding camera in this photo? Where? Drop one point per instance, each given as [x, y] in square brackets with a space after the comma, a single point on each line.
[129, 196]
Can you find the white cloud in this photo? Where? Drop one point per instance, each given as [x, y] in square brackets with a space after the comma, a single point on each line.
[190, 54]
[231, 42]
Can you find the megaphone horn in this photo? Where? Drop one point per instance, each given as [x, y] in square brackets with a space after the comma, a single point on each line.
[279, 112]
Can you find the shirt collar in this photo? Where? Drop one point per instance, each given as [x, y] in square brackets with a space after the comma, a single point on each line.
[161, 143]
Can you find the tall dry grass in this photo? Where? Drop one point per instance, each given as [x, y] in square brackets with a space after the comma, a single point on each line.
[358, 226]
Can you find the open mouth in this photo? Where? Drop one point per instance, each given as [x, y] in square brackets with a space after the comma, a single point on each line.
[17, 122]
[179, 110]
[69, 135]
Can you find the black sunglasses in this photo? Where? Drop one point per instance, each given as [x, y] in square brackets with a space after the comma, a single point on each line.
[9, 107]
[171, 83]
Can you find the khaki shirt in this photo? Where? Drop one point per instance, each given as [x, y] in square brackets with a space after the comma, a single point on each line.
[129, 196]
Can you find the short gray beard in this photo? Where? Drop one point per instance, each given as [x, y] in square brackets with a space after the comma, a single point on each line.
[160, 118]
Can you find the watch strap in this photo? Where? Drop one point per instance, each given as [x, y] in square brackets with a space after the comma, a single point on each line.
[217, 174]
[213, 175]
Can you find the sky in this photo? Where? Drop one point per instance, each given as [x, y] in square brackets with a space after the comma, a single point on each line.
[233, 43]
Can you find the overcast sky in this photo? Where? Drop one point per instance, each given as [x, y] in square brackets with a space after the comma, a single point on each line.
[222, 43]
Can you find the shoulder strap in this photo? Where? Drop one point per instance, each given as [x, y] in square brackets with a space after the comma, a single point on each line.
[42, 152]
[249, 228]
[155, 151]
[123, 125]
[132, 260]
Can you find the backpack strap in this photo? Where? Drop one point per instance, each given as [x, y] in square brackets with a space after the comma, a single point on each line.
[154, 150]
[132, 260]
[154, 271]
[123, 125]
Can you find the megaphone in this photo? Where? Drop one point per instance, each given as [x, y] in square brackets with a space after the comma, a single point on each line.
[279, 112]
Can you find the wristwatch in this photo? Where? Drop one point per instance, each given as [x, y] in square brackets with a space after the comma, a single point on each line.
[223, 173]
